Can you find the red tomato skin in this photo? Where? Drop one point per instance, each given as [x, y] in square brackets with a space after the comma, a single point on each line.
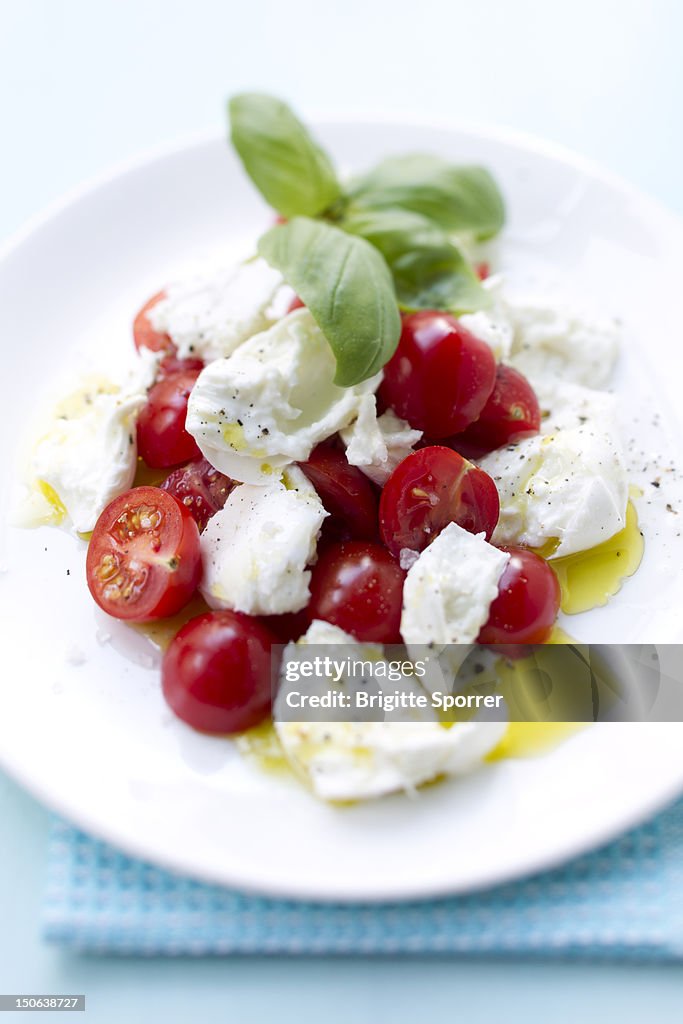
[346, 493]
[358, 587]
[144, 334]
[173, 364]
[162, 438]
[527, 604]
[429, 489]
[287, 626]
[441, 375]
[202, 489]
[511, 414]
[296, 303]
[216, 673]
[166, 559]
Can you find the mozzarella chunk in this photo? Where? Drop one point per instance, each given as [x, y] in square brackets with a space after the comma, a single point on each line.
[363, 760]
[492, 325]
[88, 453]
[376, 444]
[209, 316]
[552, 343]
[568, 488]
[272, 401]
[449, 589]
[565, 406]
[256, 548]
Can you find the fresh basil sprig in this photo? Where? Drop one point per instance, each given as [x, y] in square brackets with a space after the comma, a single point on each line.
[387, 239]
[289, 169]
[459, 198]
[345, 283]
[429, 271]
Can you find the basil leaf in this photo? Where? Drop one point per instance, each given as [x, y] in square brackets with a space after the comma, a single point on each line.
[429, 271]
[456, 197]
[287, 166]
[346, 285]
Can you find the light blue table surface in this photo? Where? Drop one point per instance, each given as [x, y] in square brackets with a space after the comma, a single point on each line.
[88, 83]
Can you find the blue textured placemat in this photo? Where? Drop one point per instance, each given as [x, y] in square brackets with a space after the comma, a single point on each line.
[624, 901]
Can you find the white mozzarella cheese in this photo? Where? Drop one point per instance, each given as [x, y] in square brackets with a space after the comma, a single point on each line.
[87, 454]
[492, 325]
[256, 548]
[343, 760]
[568, 488]
[272, 401]
[553, 343]
[210, 315]
[376, 444]
[365, 760]
[449, 589]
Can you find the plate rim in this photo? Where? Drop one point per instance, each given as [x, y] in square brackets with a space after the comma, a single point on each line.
[669, 220]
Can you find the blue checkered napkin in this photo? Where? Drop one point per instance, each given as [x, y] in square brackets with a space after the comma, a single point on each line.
[624, 901]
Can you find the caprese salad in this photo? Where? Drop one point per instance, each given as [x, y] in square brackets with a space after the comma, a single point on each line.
[361, 434]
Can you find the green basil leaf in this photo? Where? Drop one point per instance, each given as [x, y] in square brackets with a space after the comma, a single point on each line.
[429, 272]
[287, 166]
[346, 285]
[457, 198]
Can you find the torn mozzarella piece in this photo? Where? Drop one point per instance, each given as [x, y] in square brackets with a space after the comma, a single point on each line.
[553, 343]
[568, 489]
[346, 760]
[376, 444]
[492, 325]
[256, 548]
[87, 454]
[449, 589]
[272, 401]
[365, 760]
[210, 315]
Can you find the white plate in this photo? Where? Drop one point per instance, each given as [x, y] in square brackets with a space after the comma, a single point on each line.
[82, 722]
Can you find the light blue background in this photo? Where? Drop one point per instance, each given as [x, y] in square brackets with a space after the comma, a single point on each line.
[88, 83]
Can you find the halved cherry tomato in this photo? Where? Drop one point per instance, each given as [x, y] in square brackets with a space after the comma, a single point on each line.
[144, 335]
[143, 559]
[511, 413]
[201, 488]
[527, 604]
[216, 673]
[358, 587]
[430, 489]
[162, 437]
[345, 492]
[440, 377]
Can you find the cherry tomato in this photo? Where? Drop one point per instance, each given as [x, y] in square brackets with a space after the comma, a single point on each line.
[143, 559]
[428, 490]
[527, 604]
[144, 334]
[173, 364]
[200, 487]
[162, 437]
[358, 587]
[511, 413]
[296, 303]
[289, 625]
[440, 377]
[345, 492]
[216, 673]
[483, 270]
